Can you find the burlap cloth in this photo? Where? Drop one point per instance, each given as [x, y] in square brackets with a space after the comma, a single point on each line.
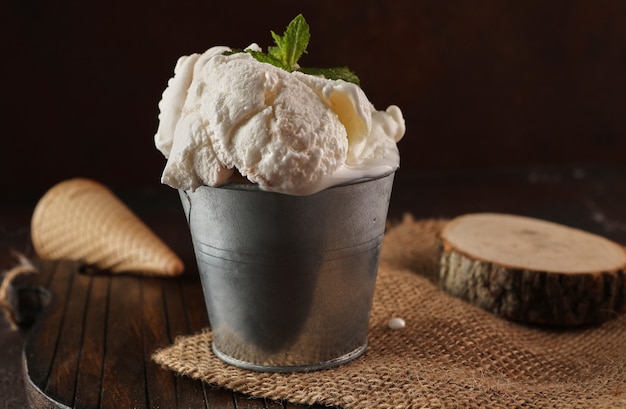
[450, 354]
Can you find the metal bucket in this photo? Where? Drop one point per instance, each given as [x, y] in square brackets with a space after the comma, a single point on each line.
[288, 280]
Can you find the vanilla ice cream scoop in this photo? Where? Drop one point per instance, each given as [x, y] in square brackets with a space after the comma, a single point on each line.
[288, 132]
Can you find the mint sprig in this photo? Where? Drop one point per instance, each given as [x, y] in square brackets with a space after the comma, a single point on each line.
[292, 44]
[334, 73]
[290, 47]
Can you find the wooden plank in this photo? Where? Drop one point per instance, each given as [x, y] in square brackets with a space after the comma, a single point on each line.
[247, 402]
[189, 393]
[123, 381]
[61, 384]
[219, 398]
[197, 319]
[175, 308]
[40, 346]
[160, 383]
[270, 404]
[46, 271]
[120, 321]
[193, 300]
[89, 381]
[194, 304]
[195, 307]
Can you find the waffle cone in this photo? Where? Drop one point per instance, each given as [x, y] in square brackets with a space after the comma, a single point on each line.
[82, 220]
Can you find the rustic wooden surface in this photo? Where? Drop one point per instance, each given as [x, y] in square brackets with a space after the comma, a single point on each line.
[91, 346]
[92, 358]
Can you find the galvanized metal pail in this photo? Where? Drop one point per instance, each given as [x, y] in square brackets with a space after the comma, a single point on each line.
[288, 280]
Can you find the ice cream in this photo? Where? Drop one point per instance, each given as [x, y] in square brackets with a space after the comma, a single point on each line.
[293, 130]
[288, 132]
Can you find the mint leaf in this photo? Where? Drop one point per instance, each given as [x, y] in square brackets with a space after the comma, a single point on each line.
[290, 47]
[335, 73]
[270, 59]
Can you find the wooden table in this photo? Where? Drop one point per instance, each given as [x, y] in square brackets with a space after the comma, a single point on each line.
[91, 345]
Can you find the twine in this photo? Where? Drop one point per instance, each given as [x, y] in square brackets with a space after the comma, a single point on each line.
[7, 295]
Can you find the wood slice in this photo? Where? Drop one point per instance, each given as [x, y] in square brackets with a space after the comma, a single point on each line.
[532, 271]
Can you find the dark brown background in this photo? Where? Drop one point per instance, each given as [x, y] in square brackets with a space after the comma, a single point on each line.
[481, 83]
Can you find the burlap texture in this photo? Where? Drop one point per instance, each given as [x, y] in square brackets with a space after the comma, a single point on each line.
[450, 354]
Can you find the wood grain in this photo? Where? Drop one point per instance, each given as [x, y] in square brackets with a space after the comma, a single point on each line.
[91, 346]
[531, 270]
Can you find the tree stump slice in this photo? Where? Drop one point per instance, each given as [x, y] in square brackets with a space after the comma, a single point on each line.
[532, 271]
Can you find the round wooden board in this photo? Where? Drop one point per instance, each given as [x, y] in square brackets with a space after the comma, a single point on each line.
[531, 270]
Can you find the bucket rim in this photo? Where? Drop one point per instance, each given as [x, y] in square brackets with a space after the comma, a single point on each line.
[253, 187]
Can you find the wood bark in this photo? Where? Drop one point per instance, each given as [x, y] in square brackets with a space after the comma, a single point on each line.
[532, 271]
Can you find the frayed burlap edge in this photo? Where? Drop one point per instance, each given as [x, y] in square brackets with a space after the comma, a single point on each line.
[450, 354]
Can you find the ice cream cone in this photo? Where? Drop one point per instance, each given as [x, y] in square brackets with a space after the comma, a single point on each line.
[80, 219]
